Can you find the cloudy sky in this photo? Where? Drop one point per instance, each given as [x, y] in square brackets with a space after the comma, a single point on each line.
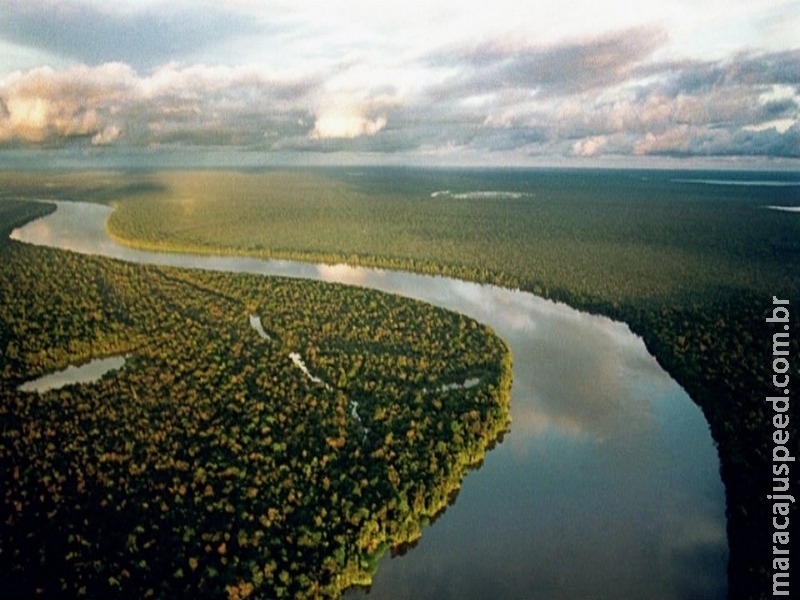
[507, 82]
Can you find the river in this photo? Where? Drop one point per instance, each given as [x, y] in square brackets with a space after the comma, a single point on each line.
[607, 485]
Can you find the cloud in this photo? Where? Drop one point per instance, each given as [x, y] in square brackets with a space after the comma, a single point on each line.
[675, 141]
[107, 136]
[742, 70]
[684, 141]
[564, 68]
[346, 123]
[44, 105]
[690, 109]
[195, 105]
[143, 39]
[589, 146]
[497, 99]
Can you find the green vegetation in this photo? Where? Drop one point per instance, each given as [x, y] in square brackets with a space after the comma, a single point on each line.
[612, 239]
[691, 268]
[210, 464]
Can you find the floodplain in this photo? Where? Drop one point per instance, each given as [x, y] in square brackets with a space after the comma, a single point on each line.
[210, 465]
[688, 264]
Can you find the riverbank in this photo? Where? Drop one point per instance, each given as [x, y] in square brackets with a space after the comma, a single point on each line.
[209, 465]
[585, 392]
[691, 267]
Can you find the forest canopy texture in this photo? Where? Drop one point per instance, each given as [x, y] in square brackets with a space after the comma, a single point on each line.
[211, 464]
[690, 266]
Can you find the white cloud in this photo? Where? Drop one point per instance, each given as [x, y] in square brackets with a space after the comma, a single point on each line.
[108, 136]
[675, 140]
[44, 104]
[779, 125]
[500, 81]
[346, 124]
[590, 146]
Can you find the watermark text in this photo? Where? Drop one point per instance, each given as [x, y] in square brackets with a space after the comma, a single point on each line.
[782, 459]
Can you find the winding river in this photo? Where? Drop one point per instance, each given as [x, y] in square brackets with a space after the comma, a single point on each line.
[607, 485]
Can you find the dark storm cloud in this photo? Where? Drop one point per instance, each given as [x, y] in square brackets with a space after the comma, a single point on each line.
[92, 36]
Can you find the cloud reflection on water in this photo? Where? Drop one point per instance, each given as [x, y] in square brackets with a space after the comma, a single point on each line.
[341, 273]
[607, 485]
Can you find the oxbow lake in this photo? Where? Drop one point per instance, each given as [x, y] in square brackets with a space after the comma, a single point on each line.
[607, 485]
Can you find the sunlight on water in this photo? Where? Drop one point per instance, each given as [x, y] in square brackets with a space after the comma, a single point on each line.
[607, 485]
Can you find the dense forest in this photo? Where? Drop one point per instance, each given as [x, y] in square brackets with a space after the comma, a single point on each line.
[265, 437]
[692, 268]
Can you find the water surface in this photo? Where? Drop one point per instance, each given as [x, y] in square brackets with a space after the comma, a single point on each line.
[607, 485]
[86, 373]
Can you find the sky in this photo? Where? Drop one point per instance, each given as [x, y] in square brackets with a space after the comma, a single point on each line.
[682, 83]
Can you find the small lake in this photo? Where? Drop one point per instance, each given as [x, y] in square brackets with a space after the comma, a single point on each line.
[607, 485]
[87, 373]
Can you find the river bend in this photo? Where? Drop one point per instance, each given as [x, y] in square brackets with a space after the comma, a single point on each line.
[607, 486]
